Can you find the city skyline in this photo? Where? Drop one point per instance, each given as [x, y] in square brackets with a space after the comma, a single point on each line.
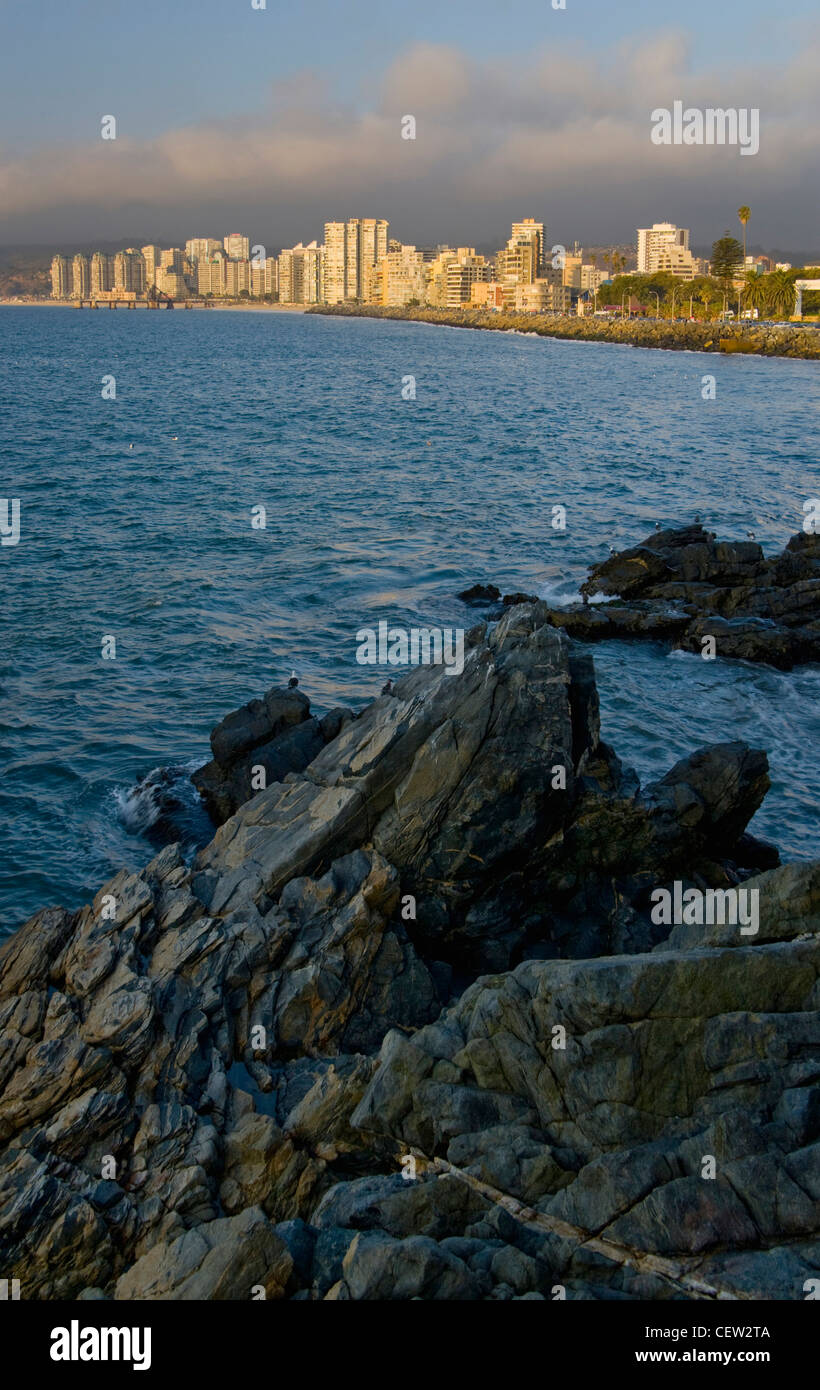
[553, 112]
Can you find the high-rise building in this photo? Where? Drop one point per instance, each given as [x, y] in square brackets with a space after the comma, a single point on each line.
[517, 263]
[263, 278]
[663, 240]
[237, 278]
[211, 275]
[301, 274]
[61, 278]
[201, 248]
[102, 273]
[129, 271]
[80, 277]
[238, 247]
[151, 256]
[350, 249]
[533, 232]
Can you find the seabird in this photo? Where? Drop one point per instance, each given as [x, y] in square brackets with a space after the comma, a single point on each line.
[751, 535]
[612, 550]
[697, 518]
[294, 681]
[387, 688]
[657, 526]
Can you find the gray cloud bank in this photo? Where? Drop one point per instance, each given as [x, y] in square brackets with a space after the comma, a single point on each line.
[557, 135]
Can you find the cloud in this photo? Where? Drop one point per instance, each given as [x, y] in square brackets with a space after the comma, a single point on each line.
[558, 133]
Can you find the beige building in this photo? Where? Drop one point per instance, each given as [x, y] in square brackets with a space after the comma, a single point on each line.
[396, 279]
[237, 278]
[61, 278]
[451, 276]
[80, 277]
[211, 277]
[543, 296]
[264, 279]
[201, 248]
[101, 273]
[533, 233]
[237, 247]
[487, 294]
[151, 256]
[129, 271]
[522, 260]
[663, 241]
[571, 270]
[350, 249]
[301, 273]
[592, 278]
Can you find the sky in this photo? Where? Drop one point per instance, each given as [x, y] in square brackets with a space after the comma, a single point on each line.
[272, 121]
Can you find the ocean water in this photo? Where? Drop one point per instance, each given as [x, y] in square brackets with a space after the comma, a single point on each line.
[136, 524]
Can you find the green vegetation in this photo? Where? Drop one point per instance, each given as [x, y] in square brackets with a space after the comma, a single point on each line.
[727, 256]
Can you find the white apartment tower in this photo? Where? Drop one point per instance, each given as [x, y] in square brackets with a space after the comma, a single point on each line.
[662, 241]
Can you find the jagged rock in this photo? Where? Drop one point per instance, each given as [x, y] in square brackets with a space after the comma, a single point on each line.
[275, 735]
[212, 1076]
[223, 1259]
[682, 585]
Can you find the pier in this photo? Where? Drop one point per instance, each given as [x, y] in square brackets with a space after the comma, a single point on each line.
[165, 302]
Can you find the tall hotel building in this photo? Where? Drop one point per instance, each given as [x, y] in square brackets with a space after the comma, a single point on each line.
[350, 249]
[237, 247]
[530, 232]
[129, 271]
[61, 278]
[201, 248]
[151, 255]
[81, 277]
[301, 277]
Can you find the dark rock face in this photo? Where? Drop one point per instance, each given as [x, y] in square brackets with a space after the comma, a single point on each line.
[261, 743]
[696, 586]
[683, 585]
[266, 1070]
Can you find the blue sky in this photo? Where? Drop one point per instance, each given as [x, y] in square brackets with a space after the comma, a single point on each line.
[198, 66]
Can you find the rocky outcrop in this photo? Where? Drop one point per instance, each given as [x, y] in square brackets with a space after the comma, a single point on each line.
[261, 743]
[284, 1068]
[685, 587]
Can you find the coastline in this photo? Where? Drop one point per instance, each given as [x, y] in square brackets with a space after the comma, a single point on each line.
[758, 340]
[69, 304]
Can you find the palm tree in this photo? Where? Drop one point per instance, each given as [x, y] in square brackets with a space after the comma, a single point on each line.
[754, 292]
[781, 293]
[744, 214]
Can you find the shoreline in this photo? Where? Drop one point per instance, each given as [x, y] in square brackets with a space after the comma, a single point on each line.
[103, 304]
[758, 340]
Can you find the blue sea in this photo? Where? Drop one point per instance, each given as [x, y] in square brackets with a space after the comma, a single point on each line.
[136, 524]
